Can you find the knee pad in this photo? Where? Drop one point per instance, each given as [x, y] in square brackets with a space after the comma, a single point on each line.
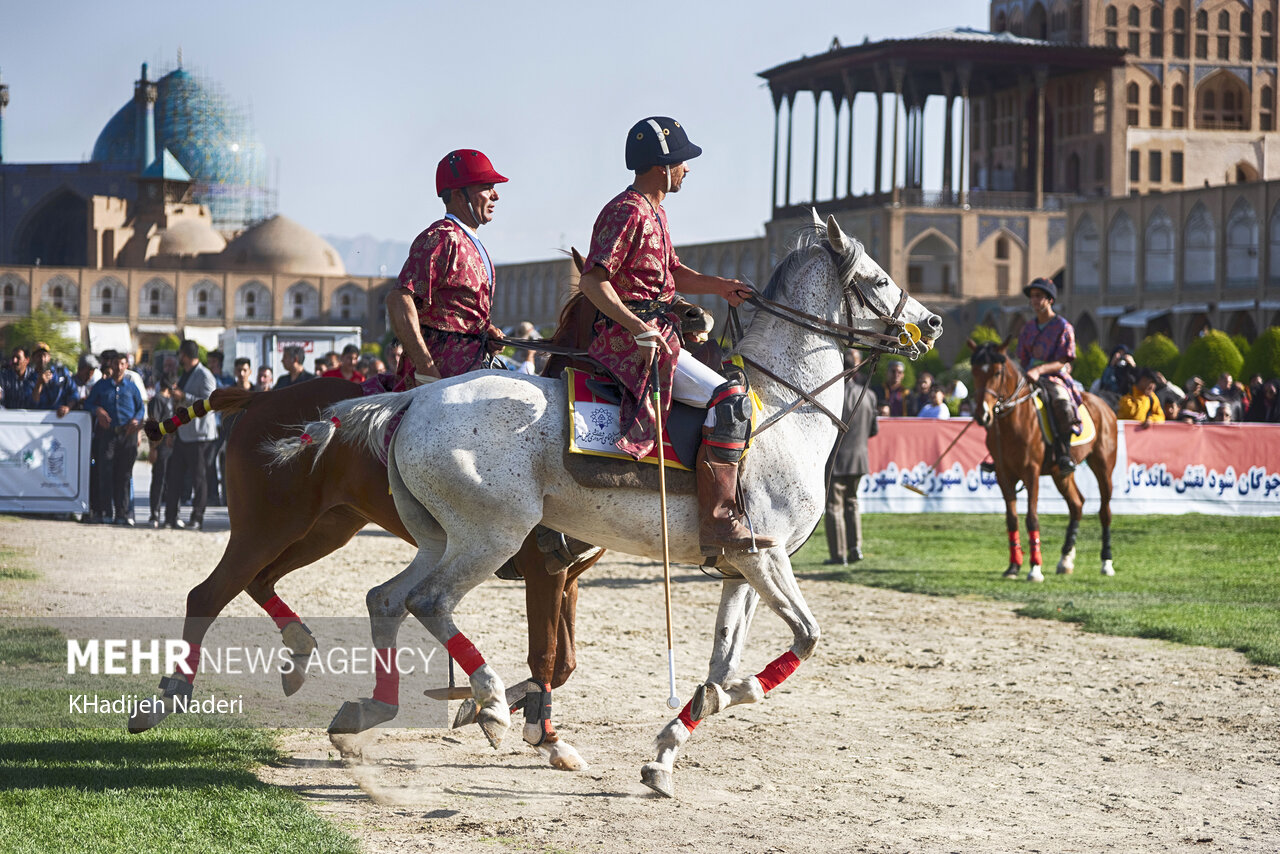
[728, 440]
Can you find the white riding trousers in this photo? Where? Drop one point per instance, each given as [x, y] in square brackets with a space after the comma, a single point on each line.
[694, 383]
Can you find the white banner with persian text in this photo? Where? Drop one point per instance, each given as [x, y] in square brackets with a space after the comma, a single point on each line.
[44, 461]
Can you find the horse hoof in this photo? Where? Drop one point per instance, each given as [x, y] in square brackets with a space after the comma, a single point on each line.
[294, 679]
[1035, 574]
[351, 746]
[563, 756]
[658, 778]
[141, 721]
[1012, 572]
[466, 714]
[359, 715]
[1067, 564]
[708, 699]
[1107, 568]
[494, 725]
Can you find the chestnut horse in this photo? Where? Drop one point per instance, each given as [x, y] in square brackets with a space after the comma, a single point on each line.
[287, 517]
[1018, 449]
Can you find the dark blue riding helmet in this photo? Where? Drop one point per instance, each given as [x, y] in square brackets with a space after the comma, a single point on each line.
[658, 141]
[1045, 285]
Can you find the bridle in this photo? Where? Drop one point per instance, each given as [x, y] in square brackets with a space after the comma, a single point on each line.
[845, 333]
[1022, 392]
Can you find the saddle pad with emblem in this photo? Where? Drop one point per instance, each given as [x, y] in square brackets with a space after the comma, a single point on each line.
[1088, 431]
[594, 430]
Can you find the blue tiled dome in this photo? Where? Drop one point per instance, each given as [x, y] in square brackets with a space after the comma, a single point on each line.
[212, 140]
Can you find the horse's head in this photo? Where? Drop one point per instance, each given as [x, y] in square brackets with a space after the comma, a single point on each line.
[876, 296]
[831, 275]
[994, 375]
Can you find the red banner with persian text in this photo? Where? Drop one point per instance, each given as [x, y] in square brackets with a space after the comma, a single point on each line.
[1228, 469]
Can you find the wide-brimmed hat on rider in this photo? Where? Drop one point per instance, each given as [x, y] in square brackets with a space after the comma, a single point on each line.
[1046, 285]
[465, 167]
[658, 141]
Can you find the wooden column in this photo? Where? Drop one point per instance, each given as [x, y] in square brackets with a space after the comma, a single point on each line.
[817, 112]
[835, 146]
[1042, 79]
[791, 109]
[948, 78]
[777, 126]
[896, 70]
[966, 132]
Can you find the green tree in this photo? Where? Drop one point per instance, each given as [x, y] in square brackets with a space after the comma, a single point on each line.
[980, 334]
[168, 342]
[1242, 344]
[46, 324]
[1209, 356]
[1089, 364]
[1264, 356]
[908, 375]
[931, 362]
[1159, 353]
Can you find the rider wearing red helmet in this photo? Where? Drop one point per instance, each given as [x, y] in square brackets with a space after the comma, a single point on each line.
[440, 309]
[631, 276]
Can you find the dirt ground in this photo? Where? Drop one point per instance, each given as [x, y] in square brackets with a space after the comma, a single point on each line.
[919, 724]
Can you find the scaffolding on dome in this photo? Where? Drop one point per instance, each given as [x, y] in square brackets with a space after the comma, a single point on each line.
[213, 139]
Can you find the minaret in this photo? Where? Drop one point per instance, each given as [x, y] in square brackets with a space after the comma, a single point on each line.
[4, 102]
[144, 100]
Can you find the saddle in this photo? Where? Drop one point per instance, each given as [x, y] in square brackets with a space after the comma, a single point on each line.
[1088, 430]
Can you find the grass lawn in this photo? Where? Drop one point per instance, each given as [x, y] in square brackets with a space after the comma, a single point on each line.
[175, 790]
[1204, 580]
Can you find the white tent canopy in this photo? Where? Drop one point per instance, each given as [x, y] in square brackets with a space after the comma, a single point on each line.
[110, 336]
[1139, 319]
[208, 337]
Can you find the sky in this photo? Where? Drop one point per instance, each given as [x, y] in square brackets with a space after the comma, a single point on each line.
[355, 103]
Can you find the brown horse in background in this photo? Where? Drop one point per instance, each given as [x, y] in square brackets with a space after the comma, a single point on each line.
[1016, 444]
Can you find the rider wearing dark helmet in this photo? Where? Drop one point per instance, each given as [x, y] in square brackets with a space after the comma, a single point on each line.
[440, 310]
[1046, 349]
[631, 276]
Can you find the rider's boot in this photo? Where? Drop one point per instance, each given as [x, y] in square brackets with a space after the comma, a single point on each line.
[719, 530]
[1064, 420]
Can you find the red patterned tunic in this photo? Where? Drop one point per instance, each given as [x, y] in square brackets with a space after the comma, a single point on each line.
[452, 289]
[630, 242]
[1053, 342]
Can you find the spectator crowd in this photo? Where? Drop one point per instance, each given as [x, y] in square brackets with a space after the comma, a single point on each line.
[186, 467]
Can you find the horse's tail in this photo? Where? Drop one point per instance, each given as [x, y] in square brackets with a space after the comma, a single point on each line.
[229, 399]
[358, 421]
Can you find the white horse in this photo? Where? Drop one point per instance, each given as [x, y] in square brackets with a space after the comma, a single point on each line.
[481, 441]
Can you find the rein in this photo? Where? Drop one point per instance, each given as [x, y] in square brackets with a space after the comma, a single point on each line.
[881, 341]
[846, 333]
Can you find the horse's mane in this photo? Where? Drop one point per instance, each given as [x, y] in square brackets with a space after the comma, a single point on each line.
[808, 238]
[987, 353]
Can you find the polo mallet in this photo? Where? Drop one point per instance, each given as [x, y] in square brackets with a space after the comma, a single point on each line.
[648, 339]
[917, 490]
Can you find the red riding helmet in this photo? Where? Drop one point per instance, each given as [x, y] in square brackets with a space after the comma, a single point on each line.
[463, 168]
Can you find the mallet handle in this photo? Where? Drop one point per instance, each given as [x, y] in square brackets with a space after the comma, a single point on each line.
[673, 701]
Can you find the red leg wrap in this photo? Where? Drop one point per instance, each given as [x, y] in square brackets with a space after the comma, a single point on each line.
[281, 613]
[1015, 548]
[686, 718]
[1034, 538]
[193, 663]
[465, 653]
[386, 685]
[778, 670]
